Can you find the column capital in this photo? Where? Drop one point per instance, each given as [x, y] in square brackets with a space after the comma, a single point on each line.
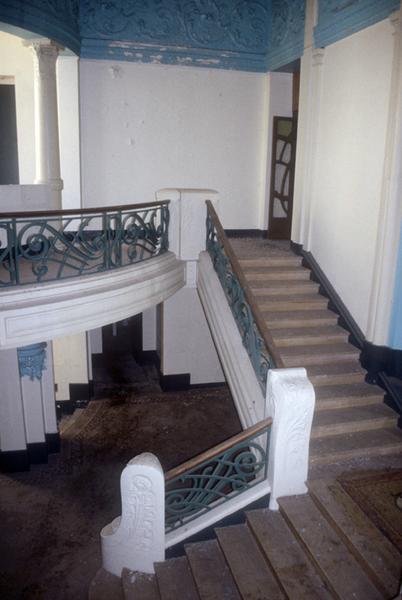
[318, 56]
[44, 46]
[31, 360]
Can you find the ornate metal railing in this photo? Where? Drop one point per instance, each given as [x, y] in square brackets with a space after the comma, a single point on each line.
[255, 336]
[46, 246]
[217, 475]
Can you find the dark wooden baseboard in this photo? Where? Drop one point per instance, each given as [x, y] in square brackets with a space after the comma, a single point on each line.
[14, 461]
[175, 383]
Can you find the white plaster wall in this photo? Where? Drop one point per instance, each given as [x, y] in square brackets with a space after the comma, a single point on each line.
[349, 163]
[70, 363]
[16, 61]
[187, 340]
[145, 127]
[279, 104]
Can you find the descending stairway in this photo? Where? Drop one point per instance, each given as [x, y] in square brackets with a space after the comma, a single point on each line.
[350, 419]
[318, 546]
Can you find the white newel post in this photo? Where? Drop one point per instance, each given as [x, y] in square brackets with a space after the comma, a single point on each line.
[186, 343]
[47, 153]
[290, 402]
[136, 540]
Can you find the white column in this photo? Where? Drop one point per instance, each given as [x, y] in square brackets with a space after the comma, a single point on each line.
[48, 394]
[47, 154]
[391, 205]
[12, 430]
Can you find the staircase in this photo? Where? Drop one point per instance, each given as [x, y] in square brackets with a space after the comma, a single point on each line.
[318, 546]
[351, 419]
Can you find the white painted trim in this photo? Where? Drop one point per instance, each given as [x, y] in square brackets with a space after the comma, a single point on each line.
[239, 372]
[30, 314]
[217, 514]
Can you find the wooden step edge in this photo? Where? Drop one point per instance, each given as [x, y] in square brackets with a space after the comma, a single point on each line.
[288, 305]
[315, 360]
[282, 342]
[336, 378]
[369, 424]
[352, 546]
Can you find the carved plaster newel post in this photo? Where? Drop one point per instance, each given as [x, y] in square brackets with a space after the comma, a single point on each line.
[290, 402]
[47, 154]
[136, 540]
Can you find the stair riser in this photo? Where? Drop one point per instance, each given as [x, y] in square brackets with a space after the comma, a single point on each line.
[344, 428]
[276, 290]
[285, 262]
[321, 380]
[252, 276]
[324, 459]
[323, 359]
[306, 341]
[280, 323]
[288, 306]
[346, 402]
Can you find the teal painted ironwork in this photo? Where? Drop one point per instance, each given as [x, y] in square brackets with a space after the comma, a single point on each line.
[35, 249]
[253, 341]
[216, 480]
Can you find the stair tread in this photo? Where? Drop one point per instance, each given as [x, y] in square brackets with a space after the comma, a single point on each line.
[296, 302]
[303, 356]
[211, 572]
[348, 389]
[139, 586]
[333, 448]
[276, 273]
[175, 579]
[288, 560]
[333, 559]
[105, 586]
[247, 564]
[300, 318]
[374, 550]
[270, 260]
[345, 372]
[352, 419]
[319, 350]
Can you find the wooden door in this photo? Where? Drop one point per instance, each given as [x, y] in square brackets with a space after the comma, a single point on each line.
[282, 178]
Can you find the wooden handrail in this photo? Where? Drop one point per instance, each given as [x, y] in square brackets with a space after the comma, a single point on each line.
[238, 271]
[218, 449]
[81, 211]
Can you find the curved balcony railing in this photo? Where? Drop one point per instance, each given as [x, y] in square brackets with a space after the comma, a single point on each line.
[46, 246]
[256, 337]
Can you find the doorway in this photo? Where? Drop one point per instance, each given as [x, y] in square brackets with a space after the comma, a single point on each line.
[8, 133]
[283, 169]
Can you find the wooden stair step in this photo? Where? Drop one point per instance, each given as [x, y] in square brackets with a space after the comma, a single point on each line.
[295, 302]
[139, 586]
[175, 579]
[211, 572]
[289, 562]
[273, 288]
[352, 419]
[343, 395]
[376, 554]
[247, 564]
[345, 372]
[336, 564]
[299, 336]
[301, 318]
[271, 261]
[276, 274]
[105, 586]
[317, 354]
[378, 442]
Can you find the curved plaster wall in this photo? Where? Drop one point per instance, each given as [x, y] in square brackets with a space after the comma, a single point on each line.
[46, 311]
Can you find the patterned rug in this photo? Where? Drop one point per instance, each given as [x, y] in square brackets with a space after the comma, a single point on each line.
[378, 495]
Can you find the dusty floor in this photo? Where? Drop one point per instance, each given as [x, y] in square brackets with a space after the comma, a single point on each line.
[51, 517]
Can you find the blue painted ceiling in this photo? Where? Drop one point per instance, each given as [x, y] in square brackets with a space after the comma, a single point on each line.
[253, 35]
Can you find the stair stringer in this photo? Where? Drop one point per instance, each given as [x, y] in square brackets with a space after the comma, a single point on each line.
[240, 375]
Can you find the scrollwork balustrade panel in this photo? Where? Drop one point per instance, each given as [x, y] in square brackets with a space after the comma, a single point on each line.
[241, 310]
[217, 480]
[41, 249]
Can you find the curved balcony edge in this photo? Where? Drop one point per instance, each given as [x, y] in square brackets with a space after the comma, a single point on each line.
[45, 311]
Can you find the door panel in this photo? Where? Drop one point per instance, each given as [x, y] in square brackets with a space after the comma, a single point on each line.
[282, 178]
